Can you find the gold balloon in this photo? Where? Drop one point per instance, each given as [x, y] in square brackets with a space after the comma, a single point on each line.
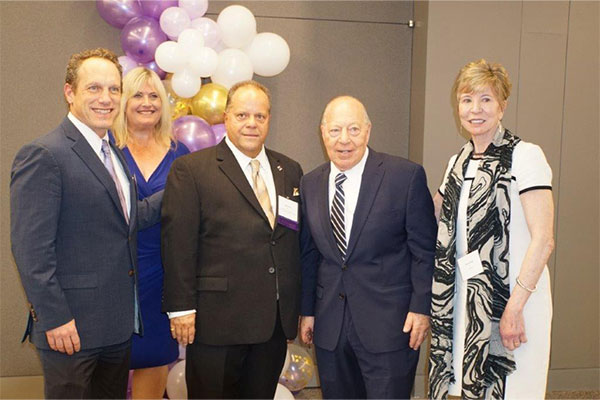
[209, 103]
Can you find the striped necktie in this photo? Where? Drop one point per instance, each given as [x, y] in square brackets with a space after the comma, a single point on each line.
[111, 170]
[260, 190]
[338, 214]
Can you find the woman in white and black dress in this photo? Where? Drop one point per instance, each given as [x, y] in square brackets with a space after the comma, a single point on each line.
[491, 305]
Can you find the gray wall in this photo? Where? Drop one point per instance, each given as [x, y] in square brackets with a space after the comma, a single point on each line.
[551, 52]
[332, 54]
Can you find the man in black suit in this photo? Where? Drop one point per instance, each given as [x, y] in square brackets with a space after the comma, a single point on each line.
[367, 261]
[231, 254]
[74, 216]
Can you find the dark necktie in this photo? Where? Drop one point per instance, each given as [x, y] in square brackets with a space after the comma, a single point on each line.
[337, 214]
[111, 170]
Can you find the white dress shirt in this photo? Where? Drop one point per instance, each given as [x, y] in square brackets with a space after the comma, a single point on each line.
[96, 143]
[267, 175]
[351, 190]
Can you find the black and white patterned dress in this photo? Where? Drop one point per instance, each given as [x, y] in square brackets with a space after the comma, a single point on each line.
[530, 171]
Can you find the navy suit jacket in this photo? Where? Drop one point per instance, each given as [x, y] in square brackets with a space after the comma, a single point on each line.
[389, 260]
[73, 248]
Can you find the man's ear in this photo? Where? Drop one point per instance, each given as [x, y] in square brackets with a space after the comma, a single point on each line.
[69, 93]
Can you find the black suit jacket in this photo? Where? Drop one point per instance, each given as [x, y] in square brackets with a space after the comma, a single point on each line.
[75, 253]
[389, 260]
[221, 256]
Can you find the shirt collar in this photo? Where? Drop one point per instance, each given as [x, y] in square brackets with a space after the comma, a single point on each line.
[243, 159]
[92, 138]
[355, 171]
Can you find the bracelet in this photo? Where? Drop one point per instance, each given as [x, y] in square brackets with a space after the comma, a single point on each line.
[525, 287]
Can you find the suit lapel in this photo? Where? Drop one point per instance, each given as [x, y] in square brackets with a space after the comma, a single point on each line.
[370, 182]
[231, 168]
[83, 149]
[279, 179]
[323, 208]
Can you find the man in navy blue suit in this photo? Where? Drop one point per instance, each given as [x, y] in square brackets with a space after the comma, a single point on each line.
[368, 241]
[74, 220]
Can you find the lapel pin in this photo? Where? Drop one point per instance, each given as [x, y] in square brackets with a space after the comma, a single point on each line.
[295, 192]
[279, 168]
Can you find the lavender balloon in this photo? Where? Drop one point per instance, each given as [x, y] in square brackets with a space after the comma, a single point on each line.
[153, 8]
[194, 132]
[219, 131]
[127, 64]
[152, 65]
[140, 37]
[118, 12]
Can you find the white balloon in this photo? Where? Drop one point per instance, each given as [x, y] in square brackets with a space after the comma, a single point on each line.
[185, 83]
[269, 53]
[210, 30]
[191, 41]
[170, 57]
[194, 8]
[234, 66]
[238, 26]
[176, 388]
[174, 20]
[203, 62]
[281, 393]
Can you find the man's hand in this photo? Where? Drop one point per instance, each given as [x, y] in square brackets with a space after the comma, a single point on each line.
[307, 325]
[418, 326]
[512, 328]
[64, 338]
[183, 328]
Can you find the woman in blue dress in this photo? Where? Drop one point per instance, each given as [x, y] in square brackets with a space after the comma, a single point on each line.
[143, 130]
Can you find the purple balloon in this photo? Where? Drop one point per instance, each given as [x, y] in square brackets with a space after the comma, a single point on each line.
[194, 132]
[140, 37]
[153, 8]
[118, 12]
[127, 64]
[154, 67]
[219, 131]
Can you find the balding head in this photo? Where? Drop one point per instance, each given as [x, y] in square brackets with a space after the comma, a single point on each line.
[345, 128]
[344, 101]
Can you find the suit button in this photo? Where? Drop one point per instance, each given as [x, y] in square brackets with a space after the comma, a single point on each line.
[342, 296]
[273, 243]
[271, 270]
[130, 272]
[344, 267]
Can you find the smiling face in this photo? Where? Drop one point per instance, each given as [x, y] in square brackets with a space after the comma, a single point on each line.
[143, 109]
[345, 131]
[247, 120]
[480, 112]
[95, 101]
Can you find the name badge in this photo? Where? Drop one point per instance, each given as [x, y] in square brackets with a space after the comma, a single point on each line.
[470, 265]
[287, 211]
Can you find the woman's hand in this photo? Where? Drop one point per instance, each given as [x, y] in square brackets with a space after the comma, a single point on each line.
[512, 328]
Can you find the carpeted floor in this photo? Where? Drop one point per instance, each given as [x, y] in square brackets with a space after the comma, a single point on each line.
[582, 394]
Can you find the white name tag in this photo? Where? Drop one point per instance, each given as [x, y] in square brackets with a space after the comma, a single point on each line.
[287, 212]
[470, 265]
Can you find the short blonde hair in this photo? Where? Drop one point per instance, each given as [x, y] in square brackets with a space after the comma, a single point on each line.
[133, 83]
[480, 74]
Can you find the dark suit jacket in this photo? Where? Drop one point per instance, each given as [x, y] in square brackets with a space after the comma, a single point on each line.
[221, 256]
[75, 253]
[389, 264]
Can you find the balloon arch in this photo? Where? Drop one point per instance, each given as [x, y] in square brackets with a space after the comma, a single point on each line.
[174, 39]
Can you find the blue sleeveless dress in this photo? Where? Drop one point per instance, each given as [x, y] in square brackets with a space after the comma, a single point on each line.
[156, 347]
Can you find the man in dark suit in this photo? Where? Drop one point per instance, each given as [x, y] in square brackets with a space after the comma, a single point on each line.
[74, 215]
[368, 243]
[231, 254]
